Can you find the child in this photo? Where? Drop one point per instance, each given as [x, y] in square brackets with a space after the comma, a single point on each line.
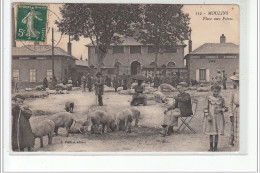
[214, 122]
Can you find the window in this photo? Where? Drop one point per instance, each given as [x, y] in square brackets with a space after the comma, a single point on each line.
[135, 49]
[118, 49]
[150, 49]
[32, 75]
[16, 74]
[49, 74]
[202, 74]
[169, 49]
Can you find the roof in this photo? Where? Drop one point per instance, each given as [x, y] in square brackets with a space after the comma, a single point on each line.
[39, 50]
[216, 48]
[130, 41]
[81, 63]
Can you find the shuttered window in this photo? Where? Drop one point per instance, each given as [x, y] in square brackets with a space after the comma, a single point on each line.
[202, 74]
[16, 75]
[32, 75]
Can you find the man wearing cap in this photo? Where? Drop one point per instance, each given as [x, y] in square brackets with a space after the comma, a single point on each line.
[235, 113]
[22, 136]
[181, 108]
[99, 88]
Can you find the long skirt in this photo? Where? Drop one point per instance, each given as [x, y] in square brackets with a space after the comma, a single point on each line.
[234, 131]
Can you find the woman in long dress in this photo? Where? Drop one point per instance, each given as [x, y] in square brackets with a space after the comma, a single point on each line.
[234, 116]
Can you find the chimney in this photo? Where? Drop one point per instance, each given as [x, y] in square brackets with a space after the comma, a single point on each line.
[222, 38]
[13, 29]
[69, 46]
[190, 46]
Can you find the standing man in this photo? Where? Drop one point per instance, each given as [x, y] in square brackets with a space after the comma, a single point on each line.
[89, 82]
[124, 82]
[116, 82]
[83, 81]
[156, 81]
[22, 136]
[45, 83]
[224, 80]
[219, 77]
[99, 88]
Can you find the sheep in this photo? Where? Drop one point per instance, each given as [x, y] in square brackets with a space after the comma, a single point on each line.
[124, 119]
[62, 119]
[104, 118]
[136, 115]
[165, 86]
[78, 127]
[69, 106]
[43, 128]
[160, 97]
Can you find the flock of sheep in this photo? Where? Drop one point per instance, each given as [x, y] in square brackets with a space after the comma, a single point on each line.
[107, 120]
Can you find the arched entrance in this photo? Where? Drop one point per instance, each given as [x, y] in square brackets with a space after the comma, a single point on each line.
[135, 68]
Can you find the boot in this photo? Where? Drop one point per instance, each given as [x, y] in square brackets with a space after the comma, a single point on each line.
[211, 146]
[215, 146]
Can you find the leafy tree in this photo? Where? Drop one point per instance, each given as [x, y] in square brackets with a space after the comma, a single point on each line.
[102, 23]
[162, 25]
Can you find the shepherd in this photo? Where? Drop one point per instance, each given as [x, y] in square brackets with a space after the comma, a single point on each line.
[22, 136]
[99, 88]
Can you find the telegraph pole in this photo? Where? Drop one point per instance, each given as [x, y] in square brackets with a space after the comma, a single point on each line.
[52, 52]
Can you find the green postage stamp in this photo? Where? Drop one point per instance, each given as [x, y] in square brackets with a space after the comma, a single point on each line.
[31, 23]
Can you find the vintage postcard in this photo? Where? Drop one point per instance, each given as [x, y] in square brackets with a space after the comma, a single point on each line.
[125, 78]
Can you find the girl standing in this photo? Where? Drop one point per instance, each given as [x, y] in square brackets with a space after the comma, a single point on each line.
[214, 122]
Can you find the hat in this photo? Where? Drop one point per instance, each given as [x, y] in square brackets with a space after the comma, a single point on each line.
[98, 74]
[19, 96]
[235, 77]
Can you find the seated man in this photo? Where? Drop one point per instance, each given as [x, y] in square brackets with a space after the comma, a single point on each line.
[181, 108]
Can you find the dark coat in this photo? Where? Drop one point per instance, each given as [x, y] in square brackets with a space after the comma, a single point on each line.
[99, 86]
[26, 138]
[183, 101]
[156, 81]
[89, 81]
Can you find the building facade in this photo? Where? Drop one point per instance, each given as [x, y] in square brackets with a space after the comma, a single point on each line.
[131, 57]
[31, 64]
[204, 62]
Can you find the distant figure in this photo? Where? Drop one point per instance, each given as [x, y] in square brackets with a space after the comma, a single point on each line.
[108, 81]
[234, 85]
[124, 82]
[70, 80]
[83, 81]
[99, 88]
[219, 77]
[116, 83]
[156, 81]
[65, 81]
[45, 83]
[89, 82]
[22, 136]
[224, 80]
[173, 79]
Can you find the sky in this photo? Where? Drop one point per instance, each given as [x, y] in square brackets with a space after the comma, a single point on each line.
[203, 31]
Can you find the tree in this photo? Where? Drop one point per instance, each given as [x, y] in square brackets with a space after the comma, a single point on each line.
[162, 25]
[102, 23]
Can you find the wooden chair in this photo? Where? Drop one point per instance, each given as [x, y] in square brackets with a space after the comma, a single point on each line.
[186, 120]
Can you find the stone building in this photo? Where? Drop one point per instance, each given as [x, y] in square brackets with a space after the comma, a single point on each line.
[204, 62]
[131, 57]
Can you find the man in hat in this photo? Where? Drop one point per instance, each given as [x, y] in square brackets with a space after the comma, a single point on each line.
[99, 88]
[124, 82]
[22, 136]
[181, 108]
[235, 113]
[224, 79]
